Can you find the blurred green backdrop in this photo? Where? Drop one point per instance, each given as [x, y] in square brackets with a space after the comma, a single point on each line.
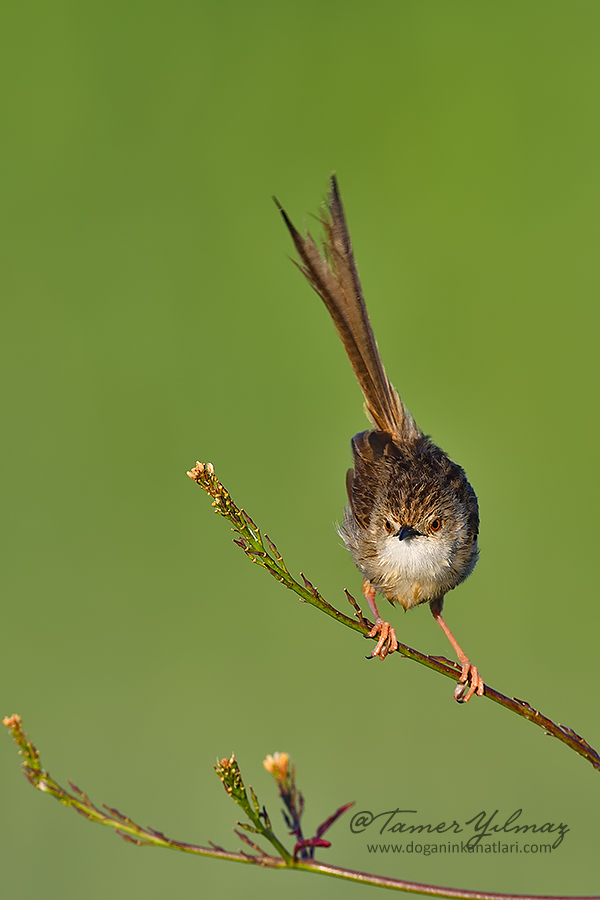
[152, 317]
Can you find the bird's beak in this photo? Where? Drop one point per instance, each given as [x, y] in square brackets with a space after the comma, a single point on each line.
[407, 531]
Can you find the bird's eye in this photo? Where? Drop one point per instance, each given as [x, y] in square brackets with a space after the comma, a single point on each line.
[436, 525]
[388, 527]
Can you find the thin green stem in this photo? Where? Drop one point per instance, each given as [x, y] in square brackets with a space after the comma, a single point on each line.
[430, 890]
[228, 771]
[125, 827]
[230, 775]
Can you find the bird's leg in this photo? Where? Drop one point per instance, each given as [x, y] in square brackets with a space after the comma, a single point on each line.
[469, 672]
[387, 642]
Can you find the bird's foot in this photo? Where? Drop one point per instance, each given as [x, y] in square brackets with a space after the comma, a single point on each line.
[387, 642]
[469, 683]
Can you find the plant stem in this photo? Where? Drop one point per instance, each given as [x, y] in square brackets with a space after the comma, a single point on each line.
[144, 836]
[265, 553]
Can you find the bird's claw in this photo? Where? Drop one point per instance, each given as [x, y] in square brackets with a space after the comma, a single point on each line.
[387, 642]
[469, 683]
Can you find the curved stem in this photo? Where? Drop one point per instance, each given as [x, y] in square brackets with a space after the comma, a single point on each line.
[144, 836]
[430, 890]
[265, 553]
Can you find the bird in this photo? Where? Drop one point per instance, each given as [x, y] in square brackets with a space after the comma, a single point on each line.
[412, 520]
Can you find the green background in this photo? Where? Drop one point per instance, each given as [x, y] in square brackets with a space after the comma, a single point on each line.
[152, 317]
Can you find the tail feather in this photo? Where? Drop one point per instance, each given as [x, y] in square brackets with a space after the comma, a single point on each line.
[334, 276]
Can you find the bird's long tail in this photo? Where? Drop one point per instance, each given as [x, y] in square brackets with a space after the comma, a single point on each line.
[334, 276]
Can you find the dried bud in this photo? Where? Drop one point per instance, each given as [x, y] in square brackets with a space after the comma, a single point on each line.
[13, 722]
[197, 472]
[278, 765]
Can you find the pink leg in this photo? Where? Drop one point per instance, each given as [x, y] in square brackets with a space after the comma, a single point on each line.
[387, 642]
[469, 672]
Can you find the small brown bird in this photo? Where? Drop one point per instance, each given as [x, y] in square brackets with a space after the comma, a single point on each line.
[412, 520]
